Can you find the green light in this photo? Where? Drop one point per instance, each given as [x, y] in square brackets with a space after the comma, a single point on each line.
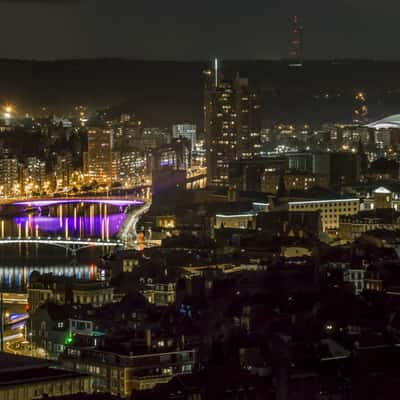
[69, 340]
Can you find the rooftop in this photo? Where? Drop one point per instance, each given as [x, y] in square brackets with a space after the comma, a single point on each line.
[11, 362]
[17, 370]
[392, 121]
[318, 194]
[382, 190]
[36, 375]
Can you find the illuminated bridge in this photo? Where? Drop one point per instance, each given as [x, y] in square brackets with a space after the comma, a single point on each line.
[72, 245]
[52, 202]
[76, 230]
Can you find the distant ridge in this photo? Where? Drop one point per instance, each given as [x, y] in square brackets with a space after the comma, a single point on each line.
[164, 92]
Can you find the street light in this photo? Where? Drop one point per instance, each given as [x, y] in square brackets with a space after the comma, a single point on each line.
[8, 111]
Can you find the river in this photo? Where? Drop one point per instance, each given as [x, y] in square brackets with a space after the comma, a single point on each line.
[65, 219]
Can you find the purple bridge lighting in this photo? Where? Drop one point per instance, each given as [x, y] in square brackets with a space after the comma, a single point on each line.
[82, 226]
[112, 202]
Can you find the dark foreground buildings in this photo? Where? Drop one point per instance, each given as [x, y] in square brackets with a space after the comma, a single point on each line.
[26, 378]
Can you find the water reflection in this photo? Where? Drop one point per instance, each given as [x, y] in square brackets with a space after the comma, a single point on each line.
[14, 278]
[84, 220]
[78, 220]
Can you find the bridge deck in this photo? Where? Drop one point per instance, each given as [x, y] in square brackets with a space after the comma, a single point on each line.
[60, 241]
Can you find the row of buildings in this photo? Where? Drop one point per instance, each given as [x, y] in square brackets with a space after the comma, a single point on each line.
[106, 162]
[235, 134]
[119, 339]
[103, 162]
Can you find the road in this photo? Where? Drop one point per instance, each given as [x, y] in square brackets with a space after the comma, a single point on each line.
[15, 342]
[128, 231]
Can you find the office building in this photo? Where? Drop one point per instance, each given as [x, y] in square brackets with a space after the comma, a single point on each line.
[187, 131]
[151, 138]
[100, 155]
[63, 171]
[128, 129]
[349, 136]
[294, 180]
[132, 164]
[175, 155]
[246, 175]
[342, 168]
[8, 176]
[34, 175]
[330, 209]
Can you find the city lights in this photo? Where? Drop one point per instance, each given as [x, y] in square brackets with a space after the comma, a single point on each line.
[199, 227]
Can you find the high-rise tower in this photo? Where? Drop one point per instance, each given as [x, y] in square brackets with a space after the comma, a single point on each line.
[230, 124]
[100, 154]
[296, 44]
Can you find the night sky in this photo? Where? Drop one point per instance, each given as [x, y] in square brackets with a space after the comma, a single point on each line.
[194, 30]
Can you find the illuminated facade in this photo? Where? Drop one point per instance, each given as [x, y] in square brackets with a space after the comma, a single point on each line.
[236, 220]
[131, 164]
[160, 294]
[94, 293]
[100, 160]
[120, 374]
[62, 171]
[342, 137]
[294, 180]
[221, 141]
[55, 290]
[166, 221]
[187, 131]
[8, 176]
[34, 175]
[382, 198]
[330, 210]
[230, 125]
[128, 131]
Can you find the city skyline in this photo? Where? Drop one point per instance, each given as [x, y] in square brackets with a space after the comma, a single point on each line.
[199, 230]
